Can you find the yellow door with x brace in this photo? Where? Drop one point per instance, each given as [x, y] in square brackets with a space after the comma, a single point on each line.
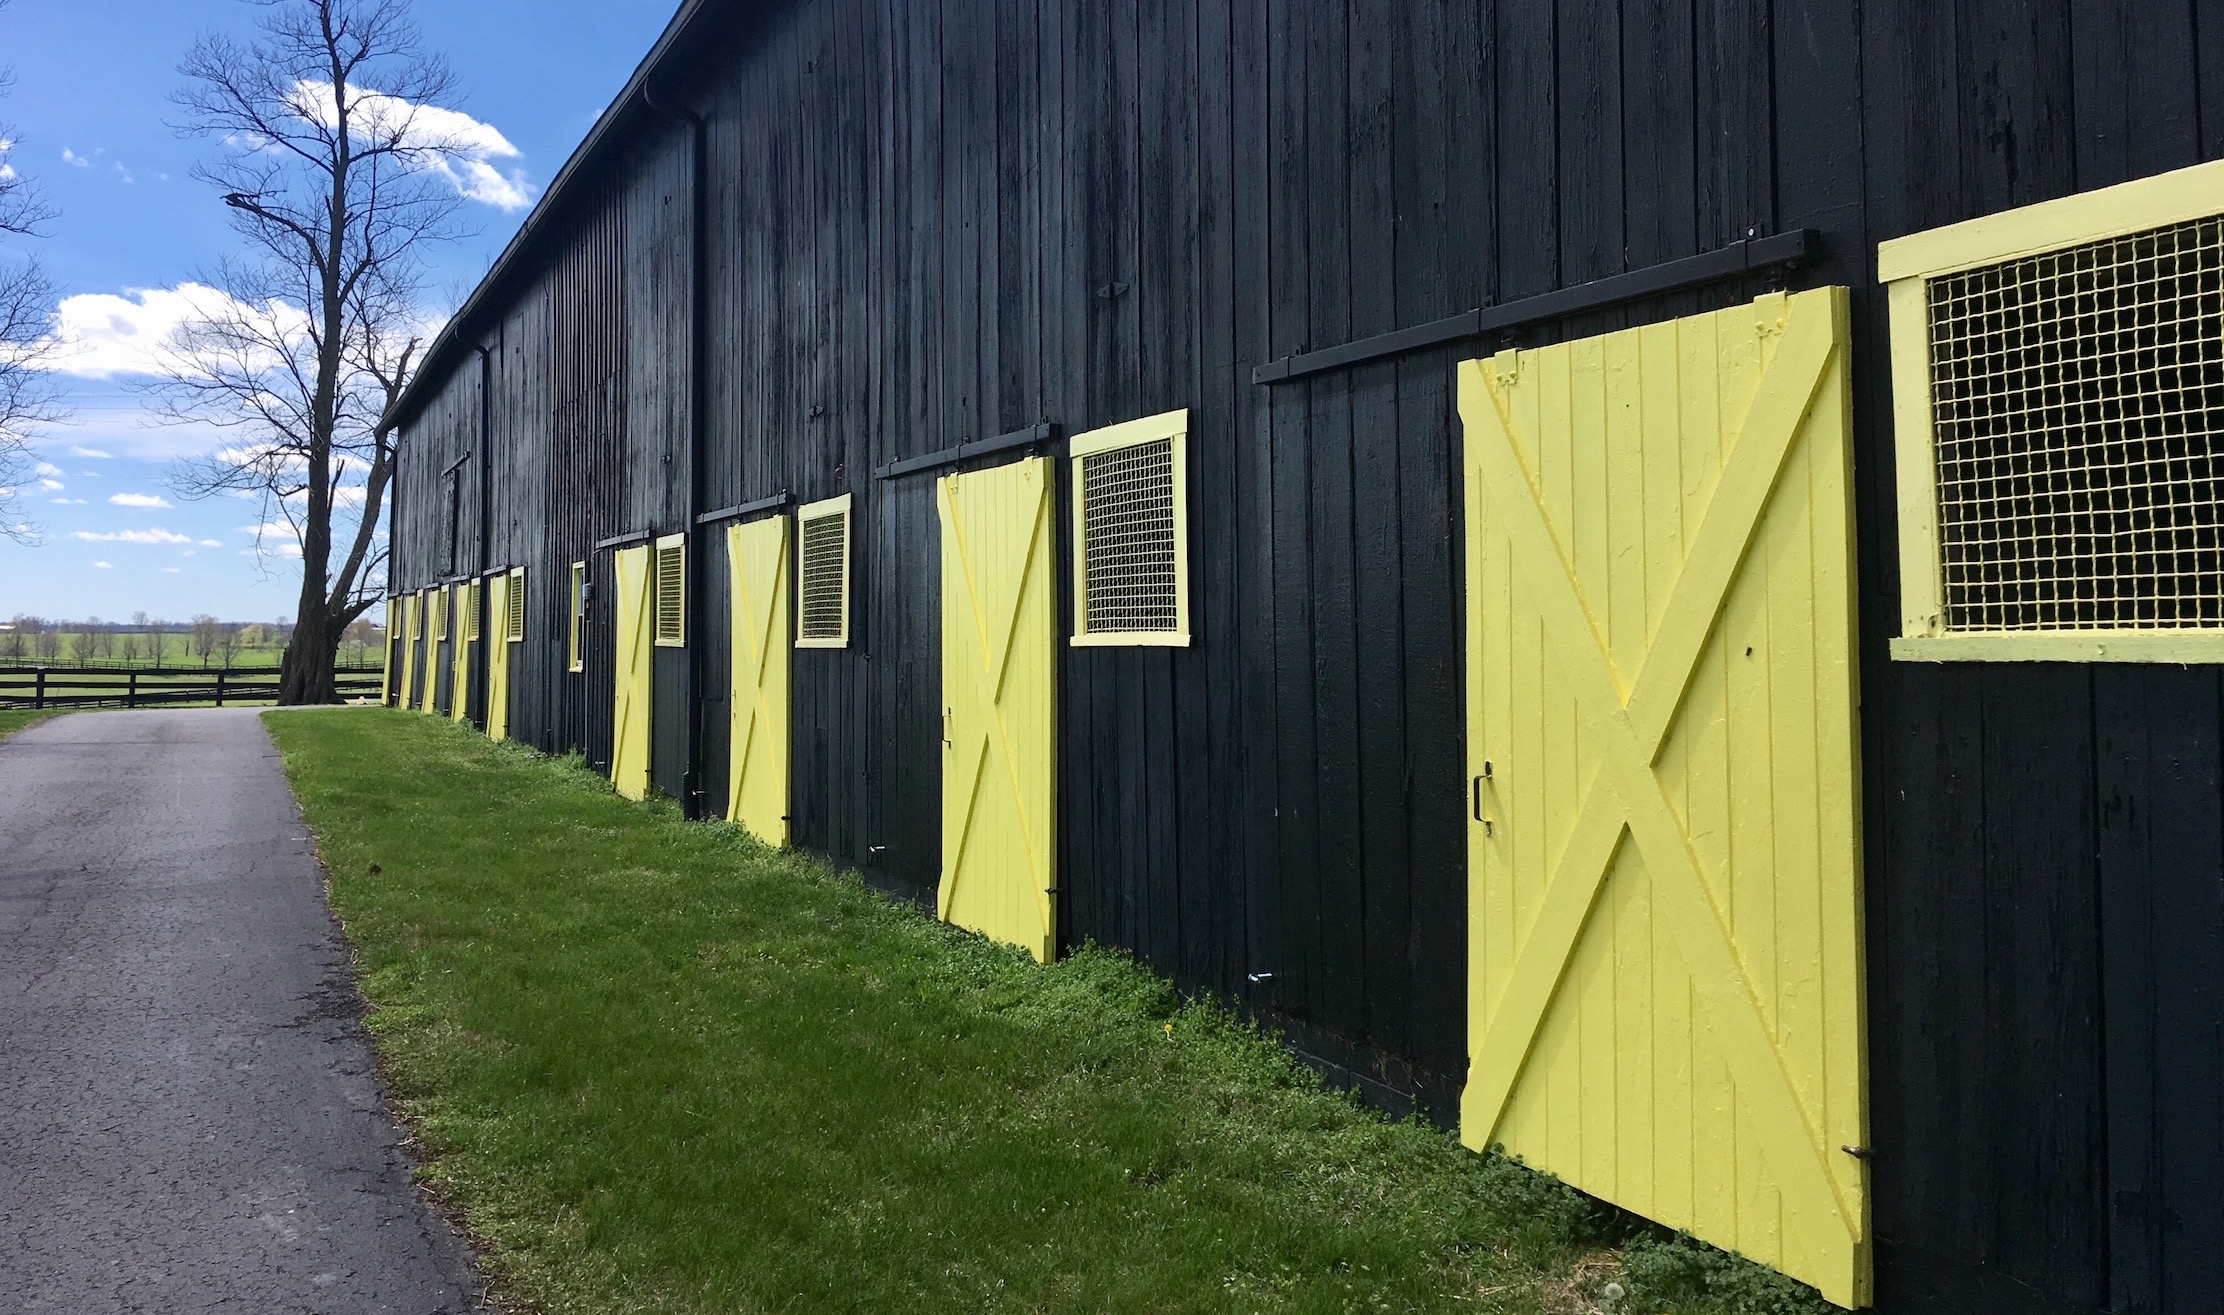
[757, 762]
[439, 626]
[390, 684]
[497, 634]
[999, 642]
[629, 721]
[1664, 944]
[465, 625]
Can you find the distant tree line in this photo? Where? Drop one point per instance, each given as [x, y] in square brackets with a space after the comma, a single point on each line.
[151, 641]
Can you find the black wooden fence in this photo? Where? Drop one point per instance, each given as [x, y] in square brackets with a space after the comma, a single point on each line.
[150, 687]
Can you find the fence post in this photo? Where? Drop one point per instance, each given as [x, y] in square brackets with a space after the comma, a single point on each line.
[39, 700]
[131, 696]
[220, 689]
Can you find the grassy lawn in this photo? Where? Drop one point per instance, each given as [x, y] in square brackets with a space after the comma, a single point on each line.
[13, 720]
[656, 1066]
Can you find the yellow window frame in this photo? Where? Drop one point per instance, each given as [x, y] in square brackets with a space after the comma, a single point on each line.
[824, 509]
[576, 638]
[440, 607]
[676, 637]
[1906, 267]
[1172, 426]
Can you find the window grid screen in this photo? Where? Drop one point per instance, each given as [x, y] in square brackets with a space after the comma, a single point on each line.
[440, 614]
[825, 571]
[513, 624]
[468, 599]
[2077, 400]
[671, 594]
[1128, 539]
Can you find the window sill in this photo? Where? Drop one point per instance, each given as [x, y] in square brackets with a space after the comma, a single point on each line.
[2185, 648]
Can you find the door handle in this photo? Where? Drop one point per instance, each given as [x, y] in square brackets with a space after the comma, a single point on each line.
[946, 729]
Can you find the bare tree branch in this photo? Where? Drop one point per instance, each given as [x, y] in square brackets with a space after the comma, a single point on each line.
[27, 397]
[333, 126]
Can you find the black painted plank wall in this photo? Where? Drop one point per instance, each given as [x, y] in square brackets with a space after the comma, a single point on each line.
[933, 222]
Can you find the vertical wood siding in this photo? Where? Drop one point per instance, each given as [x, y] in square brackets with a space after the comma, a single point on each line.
[933, 222]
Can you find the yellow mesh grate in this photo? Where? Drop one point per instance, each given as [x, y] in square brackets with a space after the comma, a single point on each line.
[671, 594]
[513, 624]
[468, 600]
[825, 575]
[1128, 539]
[2078, 399]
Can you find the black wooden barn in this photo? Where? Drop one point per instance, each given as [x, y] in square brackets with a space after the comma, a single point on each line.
[1192, 287]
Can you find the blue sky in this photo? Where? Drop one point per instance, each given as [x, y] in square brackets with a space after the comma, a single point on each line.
[90, 119]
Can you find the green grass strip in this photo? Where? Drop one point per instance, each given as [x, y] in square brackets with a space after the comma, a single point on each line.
[13, 720]
[657, 1066]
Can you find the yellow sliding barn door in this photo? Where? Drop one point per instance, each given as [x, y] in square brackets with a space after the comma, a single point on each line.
[437, 628]
[1664, 907]
[757, 770]
[399, 661]
[629, 723]
[386, 672]
[428, 679]
[413, 661]
[999, 624]
[466, 623]
[497, 632]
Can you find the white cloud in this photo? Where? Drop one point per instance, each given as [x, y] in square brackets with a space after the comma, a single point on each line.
[92, 453]
[71, 157]
[212, 543]
[50, 471]
[113, 421]
[169, 570]
[67, 502]
[447, 142]
[105, 566]
[133, 536]
[51, 484]
[136, 500]
[99, 335]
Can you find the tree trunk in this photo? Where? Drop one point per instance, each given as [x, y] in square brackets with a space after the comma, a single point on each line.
[305, 675]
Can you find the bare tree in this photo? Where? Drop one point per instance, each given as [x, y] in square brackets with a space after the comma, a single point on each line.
[207, 631]
[46, 641]
[337, 128]
[16, 641]
[156, 629]
[27, 397]
[228, 641]
[128, 648]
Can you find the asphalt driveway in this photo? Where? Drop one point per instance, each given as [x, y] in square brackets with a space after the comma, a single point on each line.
[189, 1117]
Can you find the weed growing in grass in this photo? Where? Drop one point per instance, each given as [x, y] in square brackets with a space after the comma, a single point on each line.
[659, 1066]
